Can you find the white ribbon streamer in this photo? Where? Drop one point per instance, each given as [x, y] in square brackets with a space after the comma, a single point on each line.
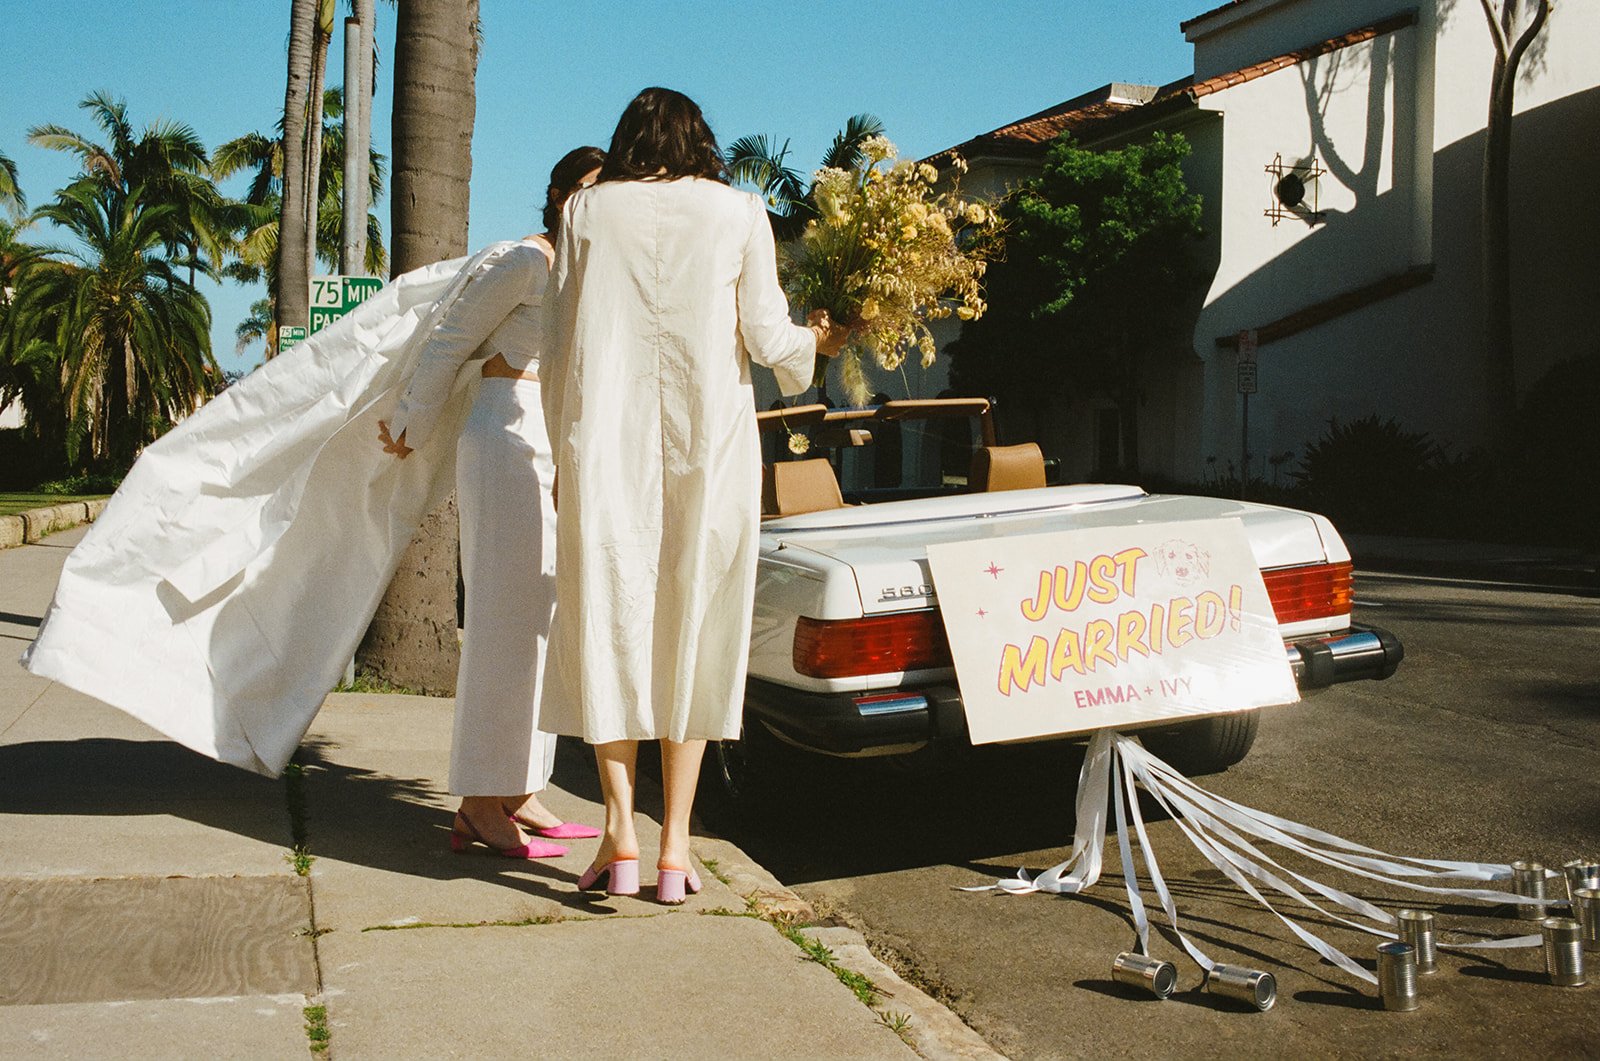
[1227, 834]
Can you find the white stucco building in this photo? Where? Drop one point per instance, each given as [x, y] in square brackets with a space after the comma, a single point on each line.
[1371, 302]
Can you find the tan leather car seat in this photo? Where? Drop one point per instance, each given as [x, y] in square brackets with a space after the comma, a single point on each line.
[790, 488]
[1007, 468]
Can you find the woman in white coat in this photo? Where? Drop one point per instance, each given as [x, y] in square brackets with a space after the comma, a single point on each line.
[663, 290]
[504, 474]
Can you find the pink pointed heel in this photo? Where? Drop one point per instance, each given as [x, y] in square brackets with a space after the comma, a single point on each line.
[564, 831]
[621, 877]
[671, 884]
[463, 835]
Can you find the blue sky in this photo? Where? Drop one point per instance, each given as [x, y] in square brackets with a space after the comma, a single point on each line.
[554, 75]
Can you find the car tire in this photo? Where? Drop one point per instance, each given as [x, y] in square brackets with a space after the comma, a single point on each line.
[741, 774]
[1206, 745]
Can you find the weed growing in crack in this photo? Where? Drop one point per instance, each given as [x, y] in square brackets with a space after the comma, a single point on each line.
[899, 1023]
[317, 1030]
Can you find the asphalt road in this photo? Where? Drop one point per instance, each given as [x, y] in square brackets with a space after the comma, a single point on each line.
[1485, 746]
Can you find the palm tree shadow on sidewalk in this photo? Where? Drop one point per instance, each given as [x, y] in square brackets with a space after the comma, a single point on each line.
[348, 813]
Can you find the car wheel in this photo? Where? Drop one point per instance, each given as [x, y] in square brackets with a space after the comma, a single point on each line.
[740, 773]
[1206, 745]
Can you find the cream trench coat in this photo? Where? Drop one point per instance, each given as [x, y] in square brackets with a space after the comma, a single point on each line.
[661, 295]
[222, 592]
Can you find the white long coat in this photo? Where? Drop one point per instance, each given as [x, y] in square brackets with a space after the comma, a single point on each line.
[231, 577]
[661, 294]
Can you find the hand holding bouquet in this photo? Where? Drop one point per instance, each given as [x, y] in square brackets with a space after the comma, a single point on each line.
[886, 254]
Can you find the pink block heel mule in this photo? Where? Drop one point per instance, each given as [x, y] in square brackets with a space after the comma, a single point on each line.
[671, 884]
[621, 877]
[463, 835]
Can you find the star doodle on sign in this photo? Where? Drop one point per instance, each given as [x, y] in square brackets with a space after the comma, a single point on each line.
[982, 613]
[993, 570]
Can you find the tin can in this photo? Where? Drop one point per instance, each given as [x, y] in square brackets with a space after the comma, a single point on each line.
[1416, 928]
[1527, 880]
[1249, 986]
[1397, 976]
[1580, 873]
[1140, 970]
[1586, 907]
[1563, 952]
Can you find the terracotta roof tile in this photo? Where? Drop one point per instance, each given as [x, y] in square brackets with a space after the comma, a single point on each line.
[1024, 136]
[1299, 55]
[1116, 104]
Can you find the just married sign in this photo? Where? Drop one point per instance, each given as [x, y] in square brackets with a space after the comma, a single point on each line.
[1110, 627]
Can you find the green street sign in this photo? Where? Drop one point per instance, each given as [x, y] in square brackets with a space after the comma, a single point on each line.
[288, 335]
[334, 296]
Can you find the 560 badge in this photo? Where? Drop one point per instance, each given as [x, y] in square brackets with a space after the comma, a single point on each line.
[922, 592]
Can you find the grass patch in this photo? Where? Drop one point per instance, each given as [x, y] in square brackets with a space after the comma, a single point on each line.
[13, 503]
[368, 683]
[299, 856]
[899, 1023]
[714, 868]
[816, 951]
[543, 919]
[317, 1029]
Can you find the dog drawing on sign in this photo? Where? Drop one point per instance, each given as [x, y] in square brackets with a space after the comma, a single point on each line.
[1186, 562]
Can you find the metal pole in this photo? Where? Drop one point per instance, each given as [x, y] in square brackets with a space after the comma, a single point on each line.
[355, 213]
[1244, 447]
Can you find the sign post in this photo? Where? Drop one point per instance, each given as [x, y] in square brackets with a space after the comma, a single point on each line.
[334, 296]
[1247, 387]
[288, 335]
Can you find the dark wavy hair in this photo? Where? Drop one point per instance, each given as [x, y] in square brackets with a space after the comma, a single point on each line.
[661, 136]
[564, 180]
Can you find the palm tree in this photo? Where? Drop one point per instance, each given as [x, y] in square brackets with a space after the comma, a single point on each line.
[293, 289]
[259, 212]
[11, 196]
[759, 162]
[412, 639]
[133, 336]
[167, 160]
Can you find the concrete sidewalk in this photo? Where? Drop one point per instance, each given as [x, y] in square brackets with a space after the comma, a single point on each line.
[150, 906]
[1447, 557]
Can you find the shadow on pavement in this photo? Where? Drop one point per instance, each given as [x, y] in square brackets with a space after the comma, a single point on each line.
[351, 814]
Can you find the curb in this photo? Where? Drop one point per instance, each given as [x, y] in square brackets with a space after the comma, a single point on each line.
[37, 523]
[934, 1032]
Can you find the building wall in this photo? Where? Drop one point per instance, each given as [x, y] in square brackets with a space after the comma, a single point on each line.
[1399, 123]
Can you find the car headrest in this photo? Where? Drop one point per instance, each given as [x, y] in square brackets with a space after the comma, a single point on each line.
[1007, 468]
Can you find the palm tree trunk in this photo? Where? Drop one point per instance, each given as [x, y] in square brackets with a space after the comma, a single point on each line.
[319, 77]
[294, 279]
[412, 639]
[364, 12]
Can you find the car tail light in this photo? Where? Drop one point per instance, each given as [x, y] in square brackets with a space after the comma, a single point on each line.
[1314, 591]
[876, 644]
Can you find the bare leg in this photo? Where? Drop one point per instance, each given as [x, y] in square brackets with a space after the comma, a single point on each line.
[680, 772]
[487, 815]
[533, 813]
[616, 760]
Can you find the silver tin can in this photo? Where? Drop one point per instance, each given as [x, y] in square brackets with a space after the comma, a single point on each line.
[1397, 976]
[1563, 952]
[1416, 928]
[1249, 986]
[1527, 880]
[1586, 907]
[1138, 970]
[1580, 873]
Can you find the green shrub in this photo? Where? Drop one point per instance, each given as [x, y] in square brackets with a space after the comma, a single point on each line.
[1372, 475]
[78, 485]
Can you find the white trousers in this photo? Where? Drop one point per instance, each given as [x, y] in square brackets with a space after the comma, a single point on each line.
[508, 555]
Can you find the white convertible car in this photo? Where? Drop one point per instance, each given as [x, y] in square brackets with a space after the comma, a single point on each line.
[848, 653]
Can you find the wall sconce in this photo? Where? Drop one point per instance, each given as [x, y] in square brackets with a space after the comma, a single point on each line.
[1293, 190]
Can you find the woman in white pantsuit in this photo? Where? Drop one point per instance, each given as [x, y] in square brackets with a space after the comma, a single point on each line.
[504, 476]
[664, 289]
